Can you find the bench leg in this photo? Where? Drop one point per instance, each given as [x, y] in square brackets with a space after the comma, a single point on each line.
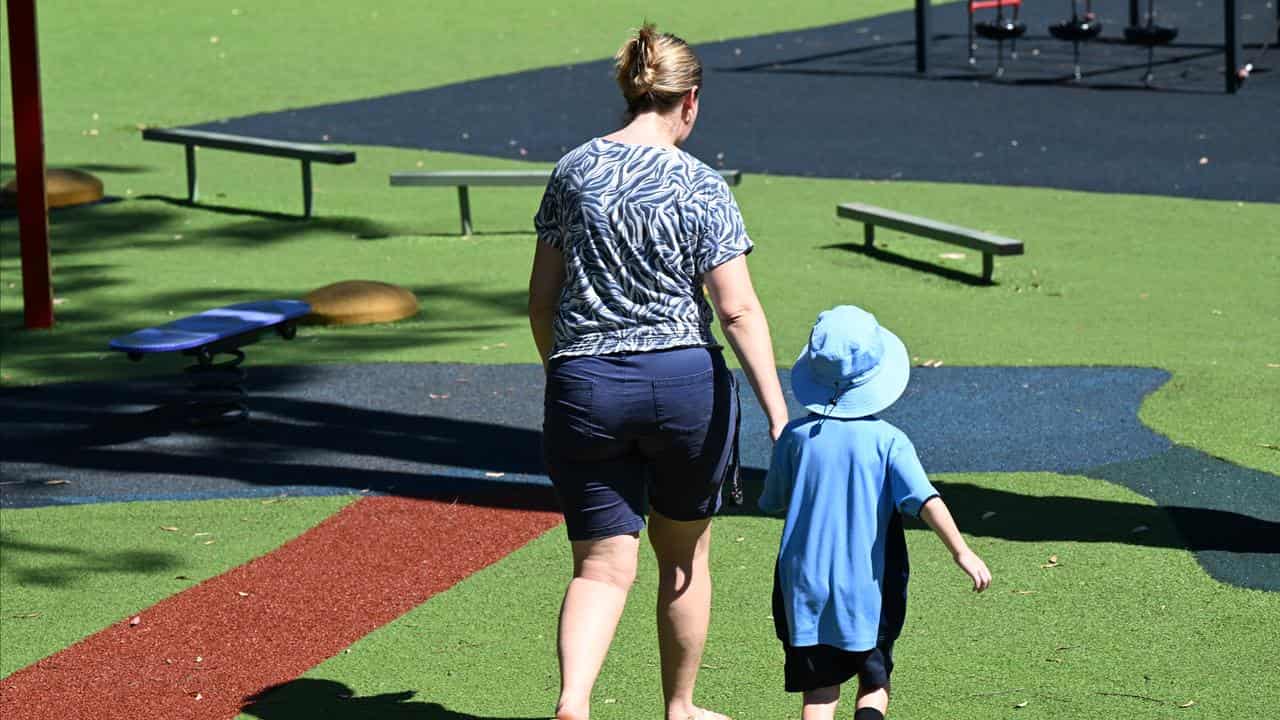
[193, 190]
[869, 235]
[464, 207]
[306, 188]
[988, 266]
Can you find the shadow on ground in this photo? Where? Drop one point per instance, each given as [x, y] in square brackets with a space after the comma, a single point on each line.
[471, 433]
[307, 698]
[51, 565]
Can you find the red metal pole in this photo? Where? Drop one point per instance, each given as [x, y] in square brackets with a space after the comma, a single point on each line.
[28, 132]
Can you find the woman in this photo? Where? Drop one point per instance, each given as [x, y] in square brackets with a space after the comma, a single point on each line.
[641, 410]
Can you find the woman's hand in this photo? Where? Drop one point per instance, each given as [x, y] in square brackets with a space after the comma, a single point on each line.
[776, 428]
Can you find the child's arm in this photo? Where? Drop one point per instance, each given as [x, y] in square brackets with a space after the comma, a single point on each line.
[937, 516]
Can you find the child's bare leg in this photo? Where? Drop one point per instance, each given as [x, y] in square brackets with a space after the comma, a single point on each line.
[872, 699]
[821, 704]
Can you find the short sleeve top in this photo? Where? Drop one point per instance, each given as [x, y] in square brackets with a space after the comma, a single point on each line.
[639, 226]
[839, 482]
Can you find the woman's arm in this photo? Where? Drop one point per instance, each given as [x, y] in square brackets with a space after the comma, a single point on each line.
[545, 282]
[747, 330]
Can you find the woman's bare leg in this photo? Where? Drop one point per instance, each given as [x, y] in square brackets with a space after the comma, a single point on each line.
[603, 571]
[684, 609]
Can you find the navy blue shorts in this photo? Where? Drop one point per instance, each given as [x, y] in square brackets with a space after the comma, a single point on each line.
[623, 433]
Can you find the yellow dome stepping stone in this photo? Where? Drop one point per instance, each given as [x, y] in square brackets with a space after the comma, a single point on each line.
[357, 302]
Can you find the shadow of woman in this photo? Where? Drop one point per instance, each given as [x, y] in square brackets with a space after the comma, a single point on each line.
[307, 698]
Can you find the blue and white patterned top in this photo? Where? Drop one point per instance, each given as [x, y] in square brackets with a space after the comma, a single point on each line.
[638, 226]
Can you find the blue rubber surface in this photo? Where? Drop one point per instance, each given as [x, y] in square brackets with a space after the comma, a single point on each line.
[844, 101]
[473, 432]
[211, 326]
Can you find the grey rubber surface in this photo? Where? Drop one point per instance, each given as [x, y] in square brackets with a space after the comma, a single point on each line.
[473, 432]
[844, 101]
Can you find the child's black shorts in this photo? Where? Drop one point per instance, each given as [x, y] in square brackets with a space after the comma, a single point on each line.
[818, 666]
[810, 667]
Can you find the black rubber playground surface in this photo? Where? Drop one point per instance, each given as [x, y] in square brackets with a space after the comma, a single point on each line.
[844, 101]
[441, 430]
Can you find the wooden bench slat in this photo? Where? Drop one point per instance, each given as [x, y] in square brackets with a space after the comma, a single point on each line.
[924, 227]
[495, 178]
[259, 146]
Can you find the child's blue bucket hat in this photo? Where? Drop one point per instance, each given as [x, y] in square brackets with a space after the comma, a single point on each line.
[851, 367]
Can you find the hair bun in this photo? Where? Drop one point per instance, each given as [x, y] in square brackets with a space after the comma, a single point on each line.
[655, 69]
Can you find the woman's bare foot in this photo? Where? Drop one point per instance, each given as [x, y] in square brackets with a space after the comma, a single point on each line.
[567, 713]
[695, 713]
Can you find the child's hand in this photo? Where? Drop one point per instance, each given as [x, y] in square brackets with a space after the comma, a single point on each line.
[977, 570]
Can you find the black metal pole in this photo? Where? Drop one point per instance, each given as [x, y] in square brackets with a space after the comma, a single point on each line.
[1231, 45]
[1133, 13]
[922, 36]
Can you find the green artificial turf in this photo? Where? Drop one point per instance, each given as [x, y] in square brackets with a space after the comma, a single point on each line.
[67, 572]
[1181, 284]
[1107, 280]
[1125, 625]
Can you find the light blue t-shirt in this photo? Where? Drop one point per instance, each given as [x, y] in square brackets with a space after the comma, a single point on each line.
[840, 481]
[639, 226]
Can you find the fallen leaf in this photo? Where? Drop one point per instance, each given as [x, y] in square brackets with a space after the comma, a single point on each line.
[1270, 365]
[610, 701]
[201, 534]
[1020, 705]
[1269, 446]
[26, 616]
[208, 542]
[169, 528]
[242, 593]
[739, 539]
[1187, 704]
[57, 482]
[1053, 562]
[1024, 592]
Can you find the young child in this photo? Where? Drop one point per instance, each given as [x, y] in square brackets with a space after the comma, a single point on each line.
[843, 477]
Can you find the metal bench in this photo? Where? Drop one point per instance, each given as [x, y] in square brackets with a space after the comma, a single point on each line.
[256, 146]
[217, 387]
[986, 243]
[463, 179]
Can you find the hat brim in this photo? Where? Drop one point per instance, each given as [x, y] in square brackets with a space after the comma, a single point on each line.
[868, 399]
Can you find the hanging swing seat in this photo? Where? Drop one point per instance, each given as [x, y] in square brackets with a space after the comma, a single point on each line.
[1150, 35]
[1076, 30]
[1000, 29]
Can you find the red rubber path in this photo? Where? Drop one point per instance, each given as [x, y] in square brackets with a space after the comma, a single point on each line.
[201, 653]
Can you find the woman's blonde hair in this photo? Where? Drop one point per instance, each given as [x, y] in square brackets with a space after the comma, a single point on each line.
[655, 70]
